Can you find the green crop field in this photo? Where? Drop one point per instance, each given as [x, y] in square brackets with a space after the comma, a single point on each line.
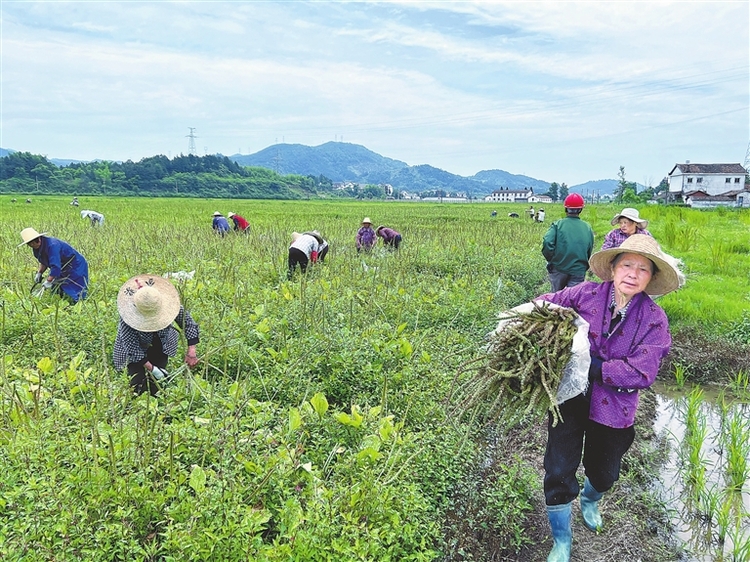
[314, 426]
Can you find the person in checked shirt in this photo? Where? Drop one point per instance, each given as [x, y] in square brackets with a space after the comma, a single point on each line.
[149, 307]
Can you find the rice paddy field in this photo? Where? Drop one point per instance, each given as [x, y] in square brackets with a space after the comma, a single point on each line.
[315, 425]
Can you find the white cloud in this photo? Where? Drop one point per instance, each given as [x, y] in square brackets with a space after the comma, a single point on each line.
[556, 90]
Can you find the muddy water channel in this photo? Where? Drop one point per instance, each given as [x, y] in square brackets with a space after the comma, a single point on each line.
[706, 480]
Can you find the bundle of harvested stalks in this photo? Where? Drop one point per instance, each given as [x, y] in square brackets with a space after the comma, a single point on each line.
[522, 366]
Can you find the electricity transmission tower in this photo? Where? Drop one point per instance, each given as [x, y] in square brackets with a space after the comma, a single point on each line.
[747, 157]
[191, 143]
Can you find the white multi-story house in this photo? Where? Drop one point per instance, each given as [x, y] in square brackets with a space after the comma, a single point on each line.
[505, 195]
[712, 179]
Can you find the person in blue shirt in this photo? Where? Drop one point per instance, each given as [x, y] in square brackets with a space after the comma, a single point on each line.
[220, 224]
[68, 270]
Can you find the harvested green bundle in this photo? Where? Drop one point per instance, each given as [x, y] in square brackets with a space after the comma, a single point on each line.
[523, 364]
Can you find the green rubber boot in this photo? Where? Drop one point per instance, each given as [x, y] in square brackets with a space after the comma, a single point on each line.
[590, 506]
[562, 534]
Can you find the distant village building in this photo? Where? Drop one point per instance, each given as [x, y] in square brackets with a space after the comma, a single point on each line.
[387, 188]
[446, 199]
[505, 195]
[540, 199]
[708, 185]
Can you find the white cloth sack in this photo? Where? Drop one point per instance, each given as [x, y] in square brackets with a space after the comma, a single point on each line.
[575, 378]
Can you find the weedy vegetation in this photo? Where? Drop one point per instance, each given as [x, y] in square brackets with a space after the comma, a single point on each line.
[315, 426]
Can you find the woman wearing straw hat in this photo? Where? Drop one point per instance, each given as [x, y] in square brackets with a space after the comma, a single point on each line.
[628, 222]
[240, 224]
[220, 224]
[149, 305]
[306, 248]
[628, 338]
[366, 238]
[68, 270]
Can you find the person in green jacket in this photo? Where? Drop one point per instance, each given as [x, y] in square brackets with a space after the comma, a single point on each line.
[567, 246]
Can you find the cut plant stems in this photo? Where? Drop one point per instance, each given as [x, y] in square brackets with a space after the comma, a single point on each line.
[522, 366]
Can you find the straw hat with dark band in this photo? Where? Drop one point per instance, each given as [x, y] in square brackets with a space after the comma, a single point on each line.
[148, 303]
[664, 280]
[631, 214]
[29, 234]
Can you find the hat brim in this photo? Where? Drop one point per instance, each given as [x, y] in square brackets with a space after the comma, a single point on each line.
[32, 239]
[169, 305]
[315, 234]
[663, 281]
[642, 223]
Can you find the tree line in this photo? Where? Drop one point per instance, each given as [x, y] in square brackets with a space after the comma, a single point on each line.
[156, 176]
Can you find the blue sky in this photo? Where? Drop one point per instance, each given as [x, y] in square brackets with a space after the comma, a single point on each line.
[560, 91]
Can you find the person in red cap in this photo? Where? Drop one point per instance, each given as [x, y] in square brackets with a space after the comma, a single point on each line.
[567, 246]
[240, 223]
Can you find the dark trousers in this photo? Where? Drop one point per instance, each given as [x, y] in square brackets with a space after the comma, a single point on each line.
[394, 243]
[560, 280]
[297, 257]
[602, 448]
[140, 380]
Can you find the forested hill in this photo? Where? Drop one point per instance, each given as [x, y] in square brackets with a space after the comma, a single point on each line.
[346, 162]
[184, 176]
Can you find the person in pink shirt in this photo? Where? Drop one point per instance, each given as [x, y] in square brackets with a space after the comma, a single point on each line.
[391, 238]
[627, 223]
[628, 336]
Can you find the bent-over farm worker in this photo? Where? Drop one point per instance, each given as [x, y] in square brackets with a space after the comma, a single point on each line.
[366, 238]
[628, 222]
[149, 306]
[97, 219]
[68, 270]
[240, 224]
[567, 246]
[391, 238]
[628, 338]
[306, 248]
[540, 216]
[220, 224]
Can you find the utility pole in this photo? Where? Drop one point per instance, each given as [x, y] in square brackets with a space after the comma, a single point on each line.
[191, 143]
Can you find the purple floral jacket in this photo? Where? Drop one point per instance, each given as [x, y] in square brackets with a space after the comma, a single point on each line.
[631, 355]
[366, 238]
[615, 237]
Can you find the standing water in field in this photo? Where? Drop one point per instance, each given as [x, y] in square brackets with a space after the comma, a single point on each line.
[706, 480]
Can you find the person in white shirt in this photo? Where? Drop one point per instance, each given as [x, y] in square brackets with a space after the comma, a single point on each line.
[306, 248]
[97, 219]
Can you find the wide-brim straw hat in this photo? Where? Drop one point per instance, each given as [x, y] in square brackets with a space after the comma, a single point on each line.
[631, 214]
[148, 303]
[366, 220]
[315, 234]
[29, 234]
[295, 236]
[381, 227]
[230, 214]
[218, 214]
[664, 280]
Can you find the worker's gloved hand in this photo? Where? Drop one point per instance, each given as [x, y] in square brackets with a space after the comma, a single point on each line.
[38, 277]
[595, 370]
[314, 256]
[47, 284]
[159, 374]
